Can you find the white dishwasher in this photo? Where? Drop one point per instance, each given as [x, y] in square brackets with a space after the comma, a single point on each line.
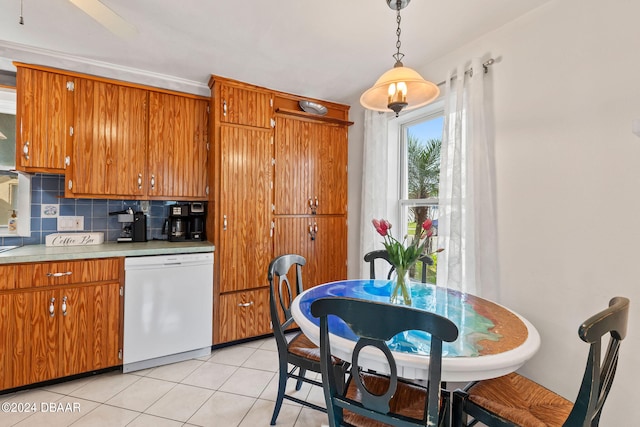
[168, 306]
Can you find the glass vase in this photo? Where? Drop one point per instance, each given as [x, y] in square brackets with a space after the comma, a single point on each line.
[400, 287]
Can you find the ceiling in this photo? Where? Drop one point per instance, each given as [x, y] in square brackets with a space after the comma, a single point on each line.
[328, 49]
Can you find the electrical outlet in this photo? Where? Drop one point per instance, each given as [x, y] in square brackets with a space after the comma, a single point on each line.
[79, 223]
[70, 223]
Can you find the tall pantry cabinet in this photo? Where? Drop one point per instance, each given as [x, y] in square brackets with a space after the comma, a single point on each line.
[279, 185]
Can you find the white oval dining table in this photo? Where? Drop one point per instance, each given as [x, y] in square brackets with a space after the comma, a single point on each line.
[493, 340]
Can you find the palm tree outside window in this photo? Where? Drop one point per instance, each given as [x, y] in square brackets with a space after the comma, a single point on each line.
[421, 140]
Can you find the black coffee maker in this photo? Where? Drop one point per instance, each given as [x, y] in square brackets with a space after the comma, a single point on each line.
[134, 225]
[197, 215]
[178, 221]
[186, 221]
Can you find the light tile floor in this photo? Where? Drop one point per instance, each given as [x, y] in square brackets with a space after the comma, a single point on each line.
[234, 386]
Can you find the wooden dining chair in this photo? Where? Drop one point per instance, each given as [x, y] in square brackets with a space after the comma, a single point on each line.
[514, 400]
[299, 352]
[374, 399]
[382, 254]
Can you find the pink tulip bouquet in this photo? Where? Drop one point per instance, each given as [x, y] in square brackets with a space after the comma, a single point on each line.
[402, 255]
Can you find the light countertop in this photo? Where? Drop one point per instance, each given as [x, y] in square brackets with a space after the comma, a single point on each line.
[40, 253]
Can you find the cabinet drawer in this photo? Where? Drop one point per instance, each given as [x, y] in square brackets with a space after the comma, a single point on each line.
[67, 272]
[243, 315]
[7, 277]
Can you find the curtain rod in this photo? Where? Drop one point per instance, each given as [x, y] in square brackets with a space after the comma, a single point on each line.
[485, 66]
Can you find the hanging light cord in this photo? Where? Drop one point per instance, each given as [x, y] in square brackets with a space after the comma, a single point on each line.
[398, 56]
[21, 21]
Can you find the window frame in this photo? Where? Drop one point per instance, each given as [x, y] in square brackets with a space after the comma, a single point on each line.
[400, 128]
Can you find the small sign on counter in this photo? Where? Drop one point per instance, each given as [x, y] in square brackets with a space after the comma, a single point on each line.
[74, 239]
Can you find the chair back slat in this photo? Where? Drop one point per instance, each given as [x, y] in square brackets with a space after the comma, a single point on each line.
[285, 295]
[376, 323]
[282, 293]
[372, 256]
[599, 373]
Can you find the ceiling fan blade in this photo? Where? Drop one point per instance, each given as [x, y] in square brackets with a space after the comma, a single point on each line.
[107, 18]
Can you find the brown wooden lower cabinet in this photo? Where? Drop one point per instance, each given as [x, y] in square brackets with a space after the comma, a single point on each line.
[90, 330]
[60, 330]
[244, 314]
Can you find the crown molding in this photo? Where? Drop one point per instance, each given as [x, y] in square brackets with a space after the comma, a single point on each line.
[34, 55]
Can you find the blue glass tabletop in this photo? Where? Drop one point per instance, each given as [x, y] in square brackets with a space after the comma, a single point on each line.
[480, 322]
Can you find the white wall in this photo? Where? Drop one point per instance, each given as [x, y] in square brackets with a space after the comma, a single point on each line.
[566, 88]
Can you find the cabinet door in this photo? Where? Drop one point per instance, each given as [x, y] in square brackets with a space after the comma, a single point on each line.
[177, 162]
[293, 170]
[245, 244]
[244, 314]
[90, 328]
[6, 340]
[29, 338]
[109, 144]
[42, 338]
[329, 152]
[321, 240]
[329, 258]
[292, 235]
[245, 106]
[45, 105]
[311, 167]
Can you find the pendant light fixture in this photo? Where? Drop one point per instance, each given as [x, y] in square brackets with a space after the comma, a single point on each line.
[400, 88]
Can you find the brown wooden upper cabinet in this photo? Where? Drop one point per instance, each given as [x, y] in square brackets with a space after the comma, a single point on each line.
[178, 146]
[112, 138]
[136, 143]
[311, 163]
[242, 106]
[45, 103]
[107, 155]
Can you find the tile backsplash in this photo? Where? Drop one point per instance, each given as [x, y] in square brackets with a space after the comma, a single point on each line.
[49, 189]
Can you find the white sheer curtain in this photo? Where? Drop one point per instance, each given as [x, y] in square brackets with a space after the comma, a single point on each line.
[377, 161]
[467, 217]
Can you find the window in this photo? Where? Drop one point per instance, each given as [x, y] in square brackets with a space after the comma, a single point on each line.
[15, 187]
[420, 142]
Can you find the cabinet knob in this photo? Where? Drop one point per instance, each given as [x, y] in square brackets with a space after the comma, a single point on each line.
[64, 306]
[52, 308]
[139, 181]
[224, 107]
[313, 230]
[224, 222]
[313, 205]
[25, 150]
[245, 304]
[153, 182]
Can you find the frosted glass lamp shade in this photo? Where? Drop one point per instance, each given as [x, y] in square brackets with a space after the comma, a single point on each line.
[409, 88]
